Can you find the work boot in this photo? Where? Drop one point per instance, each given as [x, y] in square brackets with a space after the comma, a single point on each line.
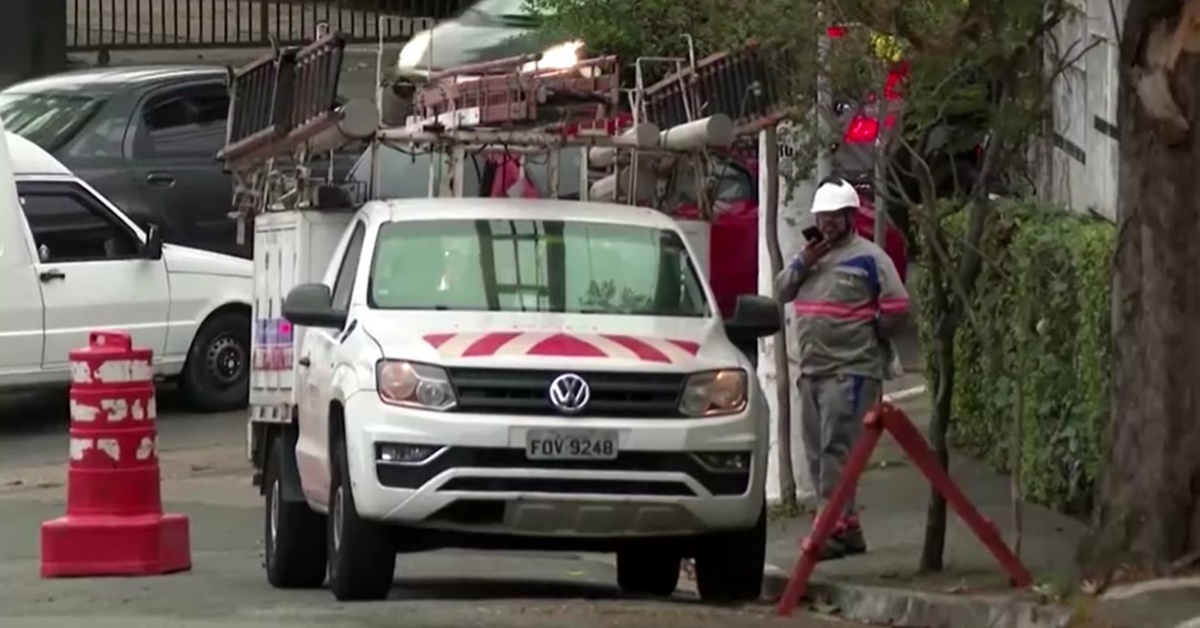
[847, 540]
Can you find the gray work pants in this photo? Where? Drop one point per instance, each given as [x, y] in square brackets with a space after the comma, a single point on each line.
[831, 414]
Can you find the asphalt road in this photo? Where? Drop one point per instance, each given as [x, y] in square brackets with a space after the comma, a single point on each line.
[205, 476]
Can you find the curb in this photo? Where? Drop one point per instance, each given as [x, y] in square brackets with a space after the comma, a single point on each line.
[920, 609]
[894, 606]
[907, 393]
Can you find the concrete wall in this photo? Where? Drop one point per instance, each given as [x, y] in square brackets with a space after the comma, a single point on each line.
[1083, 168]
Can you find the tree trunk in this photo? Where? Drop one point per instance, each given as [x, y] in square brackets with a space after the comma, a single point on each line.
[934, 548]
[1148, 511]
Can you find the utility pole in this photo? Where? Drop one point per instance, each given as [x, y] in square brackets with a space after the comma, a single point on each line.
[824, 102]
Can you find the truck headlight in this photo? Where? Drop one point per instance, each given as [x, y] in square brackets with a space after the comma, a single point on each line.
[414, 50]
[714, 393]
[413, 384]
[561, 57]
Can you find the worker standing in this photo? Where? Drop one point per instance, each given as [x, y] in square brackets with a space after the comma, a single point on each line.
[848, 301]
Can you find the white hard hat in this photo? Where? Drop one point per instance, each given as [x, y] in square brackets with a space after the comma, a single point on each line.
[833, 196]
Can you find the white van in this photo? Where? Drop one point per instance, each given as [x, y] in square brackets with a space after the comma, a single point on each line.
[528, 374]
[72, 263]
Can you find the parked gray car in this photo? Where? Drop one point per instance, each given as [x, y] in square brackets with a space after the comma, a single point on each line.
[145, 137]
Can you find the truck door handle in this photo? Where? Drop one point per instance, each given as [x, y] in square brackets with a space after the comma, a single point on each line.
[51, 275]
[305, 362]
[160, 179]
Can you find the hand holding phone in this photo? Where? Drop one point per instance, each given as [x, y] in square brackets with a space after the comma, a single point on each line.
[816, 248]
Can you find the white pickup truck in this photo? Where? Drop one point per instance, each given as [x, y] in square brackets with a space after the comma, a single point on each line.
[497, 373]
[71, 262]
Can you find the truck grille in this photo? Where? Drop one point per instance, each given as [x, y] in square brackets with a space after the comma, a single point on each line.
[616, 395]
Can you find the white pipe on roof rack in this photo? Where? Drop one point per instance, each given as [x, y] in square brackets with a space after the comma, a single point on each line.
[355, 120]
[646, 134]
[715, 130]
[502, 138]
[358, 119]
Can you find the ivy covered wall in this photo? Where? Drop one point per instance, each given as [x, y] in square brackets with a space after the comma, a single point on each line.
[1035, 343]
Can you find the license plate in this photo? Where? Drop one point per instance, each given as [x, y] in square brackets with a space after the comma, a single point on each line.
[571, 445]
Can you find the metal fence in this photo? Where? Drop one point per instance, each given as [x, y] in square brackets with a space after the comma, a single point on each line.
[132, 24]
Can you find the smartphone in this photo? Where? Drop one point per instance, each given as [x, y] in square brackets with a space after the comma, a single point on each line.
[813, 234]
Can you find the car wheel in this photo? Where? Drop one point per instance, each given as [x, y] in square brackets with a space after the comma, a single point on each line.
[216, 377]
[294, 535]
[362, 556]
[729, 565]
[646, 571]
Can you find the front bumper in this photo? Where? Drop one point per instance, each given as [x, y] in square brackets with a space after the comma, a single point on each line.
[480, 481]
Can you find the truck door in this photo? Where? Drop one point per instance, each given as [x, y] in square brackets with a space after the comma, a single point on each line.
[21, 337]
[91, 271]
[315, 378]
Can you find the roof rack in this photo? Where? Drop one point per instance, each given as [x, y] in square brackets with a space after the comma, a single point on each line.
[284, 109]
[741, 84]
[516, 91]
[282, 101]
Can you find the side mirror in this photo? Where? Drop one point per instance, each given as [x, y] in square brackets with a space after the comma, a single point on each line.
[754, 317]
[311, 305]
[152, 249]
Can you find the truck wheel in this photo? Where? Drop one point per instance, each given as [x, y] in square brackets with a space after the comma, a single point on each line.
[729, 565]
[362, 557]
[216, 377]
[293, 534]
[645, 571]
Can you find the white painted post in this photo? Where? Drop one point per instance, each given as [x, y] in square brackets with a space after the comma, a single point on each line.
[793, 217]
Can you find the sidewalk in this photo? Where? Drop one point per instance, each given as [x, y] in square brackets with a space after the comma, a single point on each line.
[883, 586]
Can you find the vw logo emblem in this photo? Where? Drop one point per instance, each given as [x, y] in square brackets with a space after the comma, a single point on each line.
[570, 393]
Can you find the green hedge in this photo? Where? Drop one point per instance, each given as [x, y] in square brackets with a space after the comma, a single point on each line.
[1050, 268]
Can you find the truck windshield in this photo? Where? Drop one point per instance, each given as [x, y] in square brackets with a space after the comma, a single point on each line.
[534, 266]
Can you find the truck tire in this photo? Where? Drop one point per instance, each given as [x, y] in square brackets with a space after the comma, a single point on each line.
[216, 376]
[729, 565]
[643, 570]
[362, 555]
[293, 534]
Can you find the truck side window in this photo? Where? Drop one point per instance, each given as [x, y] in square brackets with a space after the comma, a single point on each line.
[729, 182]
[343, 286]
[69, 225]
[570, 160]
[405, 175]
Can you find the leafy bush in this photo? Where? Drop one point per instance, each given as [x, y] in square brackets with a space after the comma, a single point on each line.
[1037, 336]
